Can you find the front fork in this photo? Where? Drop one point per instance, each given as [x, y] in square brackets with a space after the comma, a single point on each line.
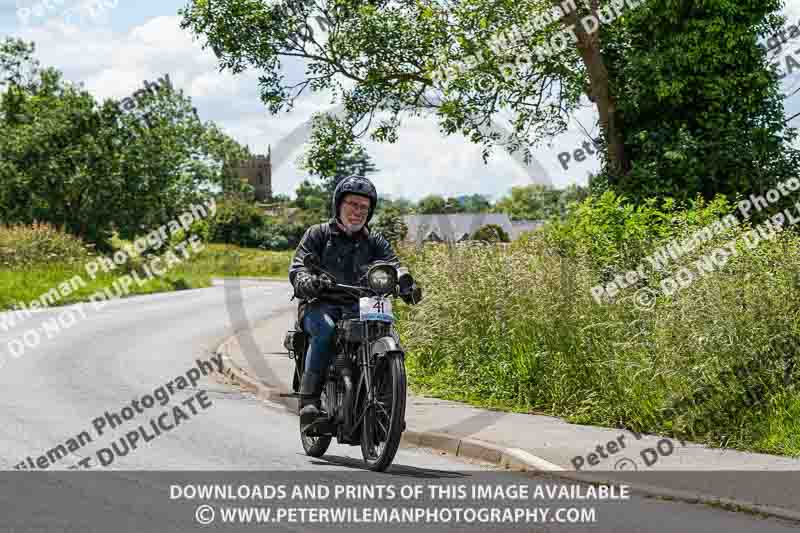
[366, 368]
[366, 365]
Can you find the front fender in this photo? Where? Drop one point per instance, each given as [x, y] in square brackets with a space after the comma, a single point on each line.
[385, 345]
[380, 348]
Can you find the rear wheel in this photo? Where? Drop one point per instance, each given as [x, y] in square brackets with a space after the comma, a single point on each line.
[382, 425]
[316, 446]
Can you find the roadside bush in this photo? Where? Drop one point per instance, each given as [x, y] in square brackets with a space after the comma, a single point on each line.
[517, 327]
[277, 236]
[26, 246]
[617, 235]
[234, 222]
[201, 228]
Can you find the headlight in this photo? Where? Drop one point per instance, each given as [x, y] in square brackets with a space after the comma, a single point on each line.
[382, 279]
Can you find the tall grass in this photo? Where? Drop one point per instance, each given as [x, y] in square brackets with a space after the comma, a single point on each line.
[517, 328]
[27, 246]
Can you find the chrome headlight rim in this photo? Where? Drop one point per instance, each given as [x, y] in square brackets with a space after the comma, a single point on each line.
[389, 275]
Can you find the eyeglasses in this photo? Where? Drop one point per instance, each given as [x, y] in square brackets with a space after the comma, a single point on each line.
[358, 208]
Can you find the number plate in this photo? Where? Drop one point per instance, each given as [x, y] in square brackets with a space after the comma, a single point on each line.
[376, 309]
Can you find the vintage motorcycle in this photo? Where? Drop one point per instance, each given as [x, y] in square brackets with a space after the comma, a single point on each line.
[363, 398]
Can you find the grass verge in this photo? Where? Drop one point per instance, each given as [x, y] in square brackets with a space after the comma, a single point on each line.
[215, 260]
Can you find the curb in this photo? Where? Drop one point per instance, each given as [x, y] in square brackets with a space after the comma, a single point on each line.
[512, 458]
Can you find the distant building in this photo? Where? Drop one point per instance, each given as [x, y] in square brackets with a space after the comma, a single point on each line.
[460, 227]
[258, 173]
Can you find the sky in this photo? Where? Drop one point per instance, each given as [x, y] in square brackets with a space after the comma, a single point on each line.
[114, 46]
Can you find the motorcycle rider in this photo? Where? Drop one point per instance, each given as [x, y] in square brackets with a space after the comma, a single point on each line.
[345, 247]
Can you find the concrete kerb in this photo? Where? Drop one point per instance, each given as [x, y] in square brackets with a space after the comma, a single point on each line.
[511, 458]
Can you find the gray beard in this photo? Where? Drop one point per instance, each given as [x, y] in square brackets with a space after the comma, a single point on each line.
[350, 228]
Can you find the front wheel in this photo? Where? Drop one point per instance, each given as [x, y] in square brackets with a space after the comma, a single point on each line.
[382, 425]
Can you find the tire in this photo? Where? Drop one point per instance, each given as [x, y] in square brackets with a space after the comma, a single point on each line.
[390, 393]
[317, 446]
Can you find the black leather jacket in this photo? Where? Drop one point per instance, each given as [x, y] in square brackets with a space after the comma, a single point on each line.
[346, 257]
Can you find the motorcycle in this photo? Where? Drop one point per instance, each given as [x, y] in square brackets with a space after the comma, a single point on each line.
[363, 398]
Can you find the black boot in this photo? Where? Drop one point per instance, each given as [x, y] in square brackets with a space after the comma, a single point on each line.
[310, 391]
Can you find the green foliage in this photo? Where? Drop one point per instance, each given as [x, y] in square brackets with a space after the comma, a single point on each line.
[615, 234]
[314, 199]
[278, 236]
[402, 206]
[699, 101]
[241, 223]
[357, 162]
[431, 205]
[491, 233]
[214, 260]
[331, 167]
[689, 104]
[476, 203]
[26, 246]
[390, 224]
[93, 168]
[529, 336]
[539, 202]
[201, 228]
[234, 222]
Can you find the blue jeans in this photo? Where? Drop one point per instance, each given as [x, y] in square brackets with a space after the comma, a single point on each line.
[320, 322]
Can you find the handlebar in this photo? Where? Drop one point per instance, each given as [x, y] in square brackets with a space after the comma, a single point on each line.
[329, 283]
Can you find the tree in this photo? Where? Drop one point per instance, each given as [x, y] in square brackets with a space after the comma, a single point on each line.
[387, 59]
[314, 200]
[539, 202]
[403, 206]
[528, 202]
[476, 203]
[491, 233]
[453, 205]
[699, 119]
[92, 168]
[390, 224]
[332, 166]
[431, 205]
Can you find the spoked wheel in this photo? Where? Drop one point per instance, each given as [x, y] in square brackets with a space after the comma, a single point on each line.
[382, 426]
[316, 446]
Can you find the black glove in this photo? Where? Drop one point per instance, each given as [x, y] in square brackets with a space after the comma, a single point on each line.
[307, 286]
[412, 295]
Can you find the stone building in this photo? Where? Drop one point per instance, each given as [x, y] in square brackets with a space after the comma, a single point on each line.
[258, 173]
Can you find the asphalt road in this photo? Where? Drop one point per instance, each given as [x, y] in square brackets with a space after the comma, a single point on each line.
[59, 393]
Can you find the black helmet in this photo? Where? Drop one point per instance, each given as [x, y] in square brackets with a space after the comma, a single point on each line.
[355, 185]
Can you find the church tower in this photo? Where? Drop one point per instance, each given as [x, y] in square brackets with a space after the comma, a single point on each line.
[258, 173]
